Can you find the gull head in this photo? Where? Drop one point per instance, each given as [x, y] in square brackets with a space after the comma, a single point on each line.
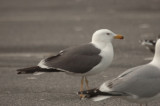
[104, 36]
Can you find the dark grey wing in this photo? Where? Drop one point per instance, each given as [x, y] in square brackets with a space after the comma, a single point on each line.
[78, 59]
[142, 81]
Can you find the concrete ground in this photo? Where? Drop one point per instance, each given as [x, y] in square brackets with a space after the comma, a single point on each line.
[33, 29]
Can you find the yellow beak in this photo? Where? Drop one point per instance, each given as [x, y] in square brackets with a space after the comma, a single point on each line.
[118, 37]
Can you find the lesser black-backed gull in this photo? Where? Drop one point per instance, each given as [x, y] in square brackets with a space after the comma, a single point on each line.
[140, 84]
[83, 60]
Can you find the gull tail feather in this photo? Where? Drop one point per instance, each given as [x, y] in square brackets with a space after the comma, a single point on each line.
[34, 69]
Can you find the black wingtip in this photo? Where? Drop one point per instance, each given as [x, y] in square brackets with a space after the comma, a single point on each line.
[28, 70]
[31, 70]
[89, 93]
[19, 72]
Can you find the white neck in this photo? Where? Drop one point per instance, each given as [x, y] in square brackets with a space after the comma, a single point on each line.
[156, 59]
[101, 45]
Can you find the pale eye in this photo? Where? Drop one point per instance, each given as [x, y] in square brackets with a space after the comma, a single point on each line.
[108, 33]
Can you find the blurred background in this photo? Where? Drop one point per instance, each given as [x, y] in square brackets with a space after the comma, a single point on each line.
[33, 29]
[27, 24]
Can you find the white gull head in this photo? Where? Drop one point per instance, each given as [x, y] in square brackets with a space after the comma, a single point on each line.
[101, 39]
[104, 36]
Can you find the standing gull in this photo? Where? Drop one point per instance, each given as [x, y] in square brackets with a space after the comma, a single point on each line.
[140, 84]
[84, 60]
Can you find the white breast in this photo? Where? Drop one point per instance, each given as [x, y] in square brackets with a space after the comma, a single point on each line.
[107, 57]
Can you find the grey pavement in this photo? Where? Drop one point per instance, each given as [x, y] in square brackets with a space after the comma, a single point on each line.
[33, 29]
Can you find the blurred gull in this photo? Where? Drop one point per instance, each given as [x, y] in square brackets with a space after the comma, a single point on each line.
[140, 84]
[149, 44]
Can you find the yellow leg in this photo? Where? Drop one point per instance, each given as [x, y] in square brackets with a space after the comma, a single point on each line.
[82, 80]
[81, 89]
[86, 83]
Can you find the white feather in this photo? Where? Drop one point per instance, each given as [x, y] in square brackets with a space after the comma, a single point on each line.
[104, 88]
[42, 64]
[99, 98]
[38, 73]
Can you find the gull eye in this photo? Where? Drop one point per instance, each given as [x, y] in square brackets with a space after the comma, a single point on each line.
[108, 33]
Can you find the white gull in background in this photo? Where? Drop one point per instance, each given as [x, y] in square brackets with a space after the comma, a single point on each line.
[149, 44]
[140, 84]
[84, 60]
